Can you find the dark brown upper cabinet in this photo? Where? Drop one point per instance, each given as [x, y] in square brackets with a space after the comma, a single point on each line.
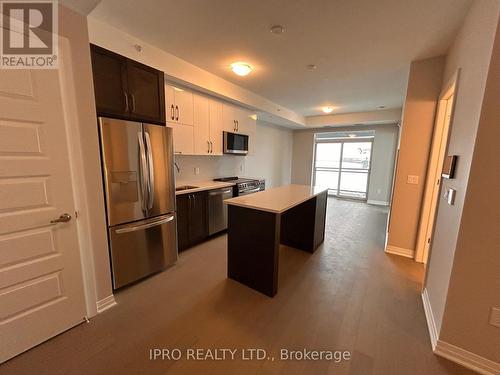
[127, 89]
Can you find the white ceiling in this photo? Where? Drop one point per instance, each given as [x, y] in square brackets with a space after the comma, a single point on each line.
[362, 48]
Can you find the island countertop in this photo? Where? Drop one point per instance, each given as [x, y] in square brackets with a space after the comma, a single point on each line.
[277, 200]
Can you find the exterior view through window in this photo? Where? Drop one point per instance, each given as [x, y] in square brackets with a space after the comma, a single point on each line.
[342, 163]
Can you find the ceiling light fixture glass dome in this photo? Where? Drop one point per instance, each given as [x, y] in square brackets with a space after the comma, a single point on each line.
[241, 68]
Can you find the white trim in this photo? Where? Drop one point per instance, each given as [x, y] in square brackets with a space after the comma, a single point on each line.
[408, 253]
[105, 303]
[378, 203]
[467, 359]
[429, 316]
[75, 156]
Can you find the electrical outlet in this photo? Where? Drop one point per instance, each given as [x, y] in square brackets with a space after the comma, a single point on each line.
[411, 179]
[495, 317]
[196, 171]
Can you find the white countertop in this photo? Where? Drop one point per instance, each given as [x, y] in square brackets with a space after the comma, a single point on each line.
[201, 186]
[277, 200]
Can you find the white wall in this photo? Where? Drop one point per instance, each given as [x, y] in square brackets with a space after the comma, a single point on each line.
[384, 150]
[471, 52]
[383, 155]
[272, 160]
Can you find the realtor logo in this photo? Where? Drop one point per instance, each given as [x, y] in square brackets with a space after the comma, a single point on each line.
[29, 34]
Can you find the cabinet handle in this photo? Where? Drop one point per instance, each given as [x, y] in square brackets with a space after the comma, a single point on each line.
[234, 125]
[133, 102]
[126, 101]
[211, 147]
[208, 147]
[237, 125]
[177, 113]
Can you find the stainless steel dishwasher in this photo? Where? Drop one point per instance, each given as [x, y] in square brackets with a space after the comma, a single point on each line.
[217, 210]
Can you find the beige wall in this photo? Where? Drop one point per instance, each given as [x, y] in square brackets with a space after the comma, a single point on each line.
[475, 278]
[384, 148]
[73, 26]
[471, 54]
[272, 159]
[424, 87]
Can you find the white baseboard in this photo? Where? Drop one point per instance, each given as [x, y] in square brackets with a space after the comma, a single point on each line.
[429, 316]
[467, 359]
[408, 253]
[378, 203]
[105, 303]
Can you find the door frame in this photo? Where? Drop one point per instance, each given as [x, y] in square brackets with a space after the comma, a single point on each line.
[342, 141]
[75, 156]
[439, 148]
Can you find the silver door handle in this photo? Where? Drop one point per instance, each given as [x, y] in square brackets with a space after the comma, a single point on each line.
[144, 226]
[126, 101]
[220, 192]
[151, 171]
[64, 218]
[133, 102]
[143, 170]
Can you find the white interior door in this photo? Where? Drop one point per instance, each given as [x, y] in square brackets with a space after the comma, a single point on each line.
[41, 286]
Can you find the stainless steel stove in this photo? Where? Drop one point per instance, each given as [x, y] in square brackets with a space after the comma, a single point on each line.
[244, 186]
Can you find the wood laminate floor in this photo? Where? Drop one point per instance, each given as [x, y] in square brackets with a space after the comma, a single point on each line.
[349, 295]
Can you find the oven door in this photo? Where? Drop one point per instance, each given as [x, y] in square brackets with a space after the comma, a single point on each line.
[234, 143]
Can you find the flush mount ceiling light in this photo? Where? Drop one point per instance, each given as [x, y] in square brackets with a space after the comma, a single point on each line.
[327, 109]
[311, 67]
[277, 29]
[241, 68]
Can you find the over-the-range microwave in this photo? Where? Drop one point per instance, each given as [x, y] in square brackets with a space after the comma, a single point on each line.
[235, 143]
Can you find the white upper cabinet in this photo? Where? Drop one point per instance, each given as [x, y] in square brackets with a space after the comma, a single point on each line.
[198, 122]
[179, 105]
[202, 144]
[238, 120]
[216, 126]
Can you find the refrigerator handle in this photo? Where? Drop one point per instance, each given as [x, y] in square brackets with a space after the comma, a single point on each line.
[151, 170]
[143, 170]
[145, 226]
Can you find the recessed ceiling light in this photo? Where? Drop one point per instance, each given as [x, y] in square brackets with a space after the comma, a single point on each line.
[277, 29]
[327, 109]
[311, 67]
[241, 68]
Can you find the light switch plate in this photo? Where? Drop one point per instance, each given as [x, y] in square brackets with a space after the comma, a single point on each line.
[495, 317]
[196, 171]
[450, 196]
[412, 179]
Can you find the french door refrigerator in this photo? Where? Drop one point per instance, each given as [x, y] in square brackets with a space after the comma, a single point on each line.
[137, 161]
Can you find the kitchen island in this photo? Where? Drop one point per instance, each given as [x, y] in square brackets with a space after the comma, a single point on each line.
[293, 215]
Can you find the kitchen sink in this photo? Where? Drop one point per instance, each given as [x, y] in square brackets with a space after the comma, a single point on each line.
[185, 187]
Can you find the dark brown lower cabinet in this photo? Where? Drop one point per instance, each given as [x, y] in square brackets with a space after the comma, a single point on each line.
[192, 223]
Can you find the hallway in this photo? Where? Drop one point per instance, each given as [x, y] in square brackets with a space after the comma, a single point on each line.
[348, 295]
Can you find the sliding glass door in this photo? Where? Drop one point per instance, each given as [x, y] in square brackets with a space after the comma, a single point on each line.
[343, 166]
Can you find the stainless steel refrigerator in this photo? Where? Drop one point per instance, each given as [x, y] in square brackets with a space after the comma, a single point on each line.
[140, 198]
